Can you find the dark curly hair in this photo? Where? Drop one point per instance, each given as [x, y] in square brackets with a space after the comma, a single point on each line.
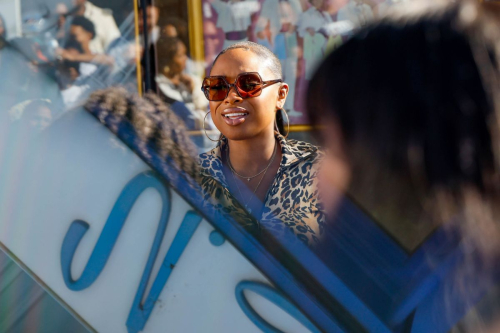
[154, 122]
[167, 48]
[85, 23]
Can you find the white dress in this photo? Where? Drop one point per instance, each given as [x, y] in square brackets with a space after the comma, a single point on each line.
[313, 45]
[234, 16]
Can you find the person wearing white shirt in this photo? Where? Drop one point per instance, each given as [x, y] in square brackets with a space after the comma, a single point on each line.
[176, 85]
[105, 26]
[278, 19]
[383, 7]
[357, 12]
[234, 18]
[310, 23]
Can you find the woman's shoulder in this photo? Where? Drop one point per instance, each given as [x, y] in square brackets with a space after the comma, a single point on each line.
[303, 151]
[208, 157]
[210, 163]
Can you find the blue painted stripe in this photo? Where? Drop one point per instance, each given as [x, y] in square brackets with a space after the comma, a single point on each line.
[275, 297]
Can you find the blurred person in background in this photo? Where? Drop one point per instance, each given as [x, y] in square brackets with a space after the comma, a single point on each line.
[314, 42]
[383, 7]
[61, 12]
[72, 83]
[280, 19]
[25, 80]
[152, 16]
[409, 115]
[174, 84]
[3, 33]
[82, 32]
[235, 18]
[176, 27]
[212, 43]
[106, 30]
[154, 32]
[37, 115]
[272, 177]
[358, 12]
[169, 30]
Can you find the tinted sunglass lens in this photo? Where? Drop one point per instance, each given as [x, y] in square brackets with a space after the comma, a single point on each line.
[215, 89]
[249, 85]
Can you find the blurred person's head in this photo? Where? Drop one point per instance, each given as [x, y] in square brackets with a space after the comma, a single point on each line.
[79, 8]
[37, 115]
[288, 17]
[212, 41]
[61, 11]
[152, 16]
[333, 6]
[175, 27]
[172, 56]
[169, 30]
[409, 106]
[79, 3]
[82, 30]
[261, 111]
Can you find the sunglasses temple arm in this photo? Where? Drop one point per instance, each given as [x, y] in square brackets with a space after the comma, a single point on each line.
[270, 82]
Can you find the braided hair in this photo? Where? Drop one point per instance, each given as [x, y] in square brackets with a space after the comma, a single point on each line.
[155, 124]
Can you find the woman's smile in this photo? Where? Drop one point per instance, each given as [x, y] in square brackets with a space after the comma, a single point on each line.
[234, 116]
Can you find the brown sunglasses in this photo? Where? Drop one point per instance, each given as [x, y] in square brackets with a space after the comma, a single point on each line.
[216, 88]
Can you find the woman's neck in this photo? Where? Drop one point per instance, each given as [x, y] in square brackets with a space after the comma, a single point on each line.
[248, 157]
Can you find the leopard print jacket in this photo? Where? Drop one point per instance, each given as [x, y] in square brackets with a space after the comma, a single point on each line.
[292, 202]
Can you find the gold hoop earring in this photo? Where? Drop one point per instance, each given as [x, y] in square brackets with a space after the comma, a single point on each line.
[288, 123]
[205, 130]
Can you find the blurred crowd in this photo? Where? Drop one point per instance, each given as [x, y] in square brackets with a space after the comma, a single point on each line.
[67, 52]
[64, 54]
[299, 32]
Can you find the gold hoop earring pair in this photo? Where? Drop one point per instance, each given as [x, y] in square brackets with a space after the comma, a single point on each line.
[205, 130]
[287, 122]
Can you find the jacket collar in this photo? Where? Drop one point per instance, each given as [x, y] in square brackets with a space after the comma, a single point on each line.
[292, 151]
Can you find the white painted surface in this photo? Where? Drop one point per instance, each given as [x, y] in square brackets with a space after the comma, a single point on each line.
[10, 10]
[76, 169]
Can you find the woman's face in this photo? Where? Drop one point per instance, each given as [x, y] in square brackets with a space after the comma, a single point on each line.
[259, 112]
[178, 63]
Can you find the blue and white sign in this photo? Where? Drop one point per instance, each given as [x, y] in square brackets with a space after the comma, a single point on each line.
[123, 250]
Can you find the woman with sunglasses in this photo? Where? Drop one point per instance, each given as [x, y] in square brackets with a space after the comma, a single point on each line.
[272, 177]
